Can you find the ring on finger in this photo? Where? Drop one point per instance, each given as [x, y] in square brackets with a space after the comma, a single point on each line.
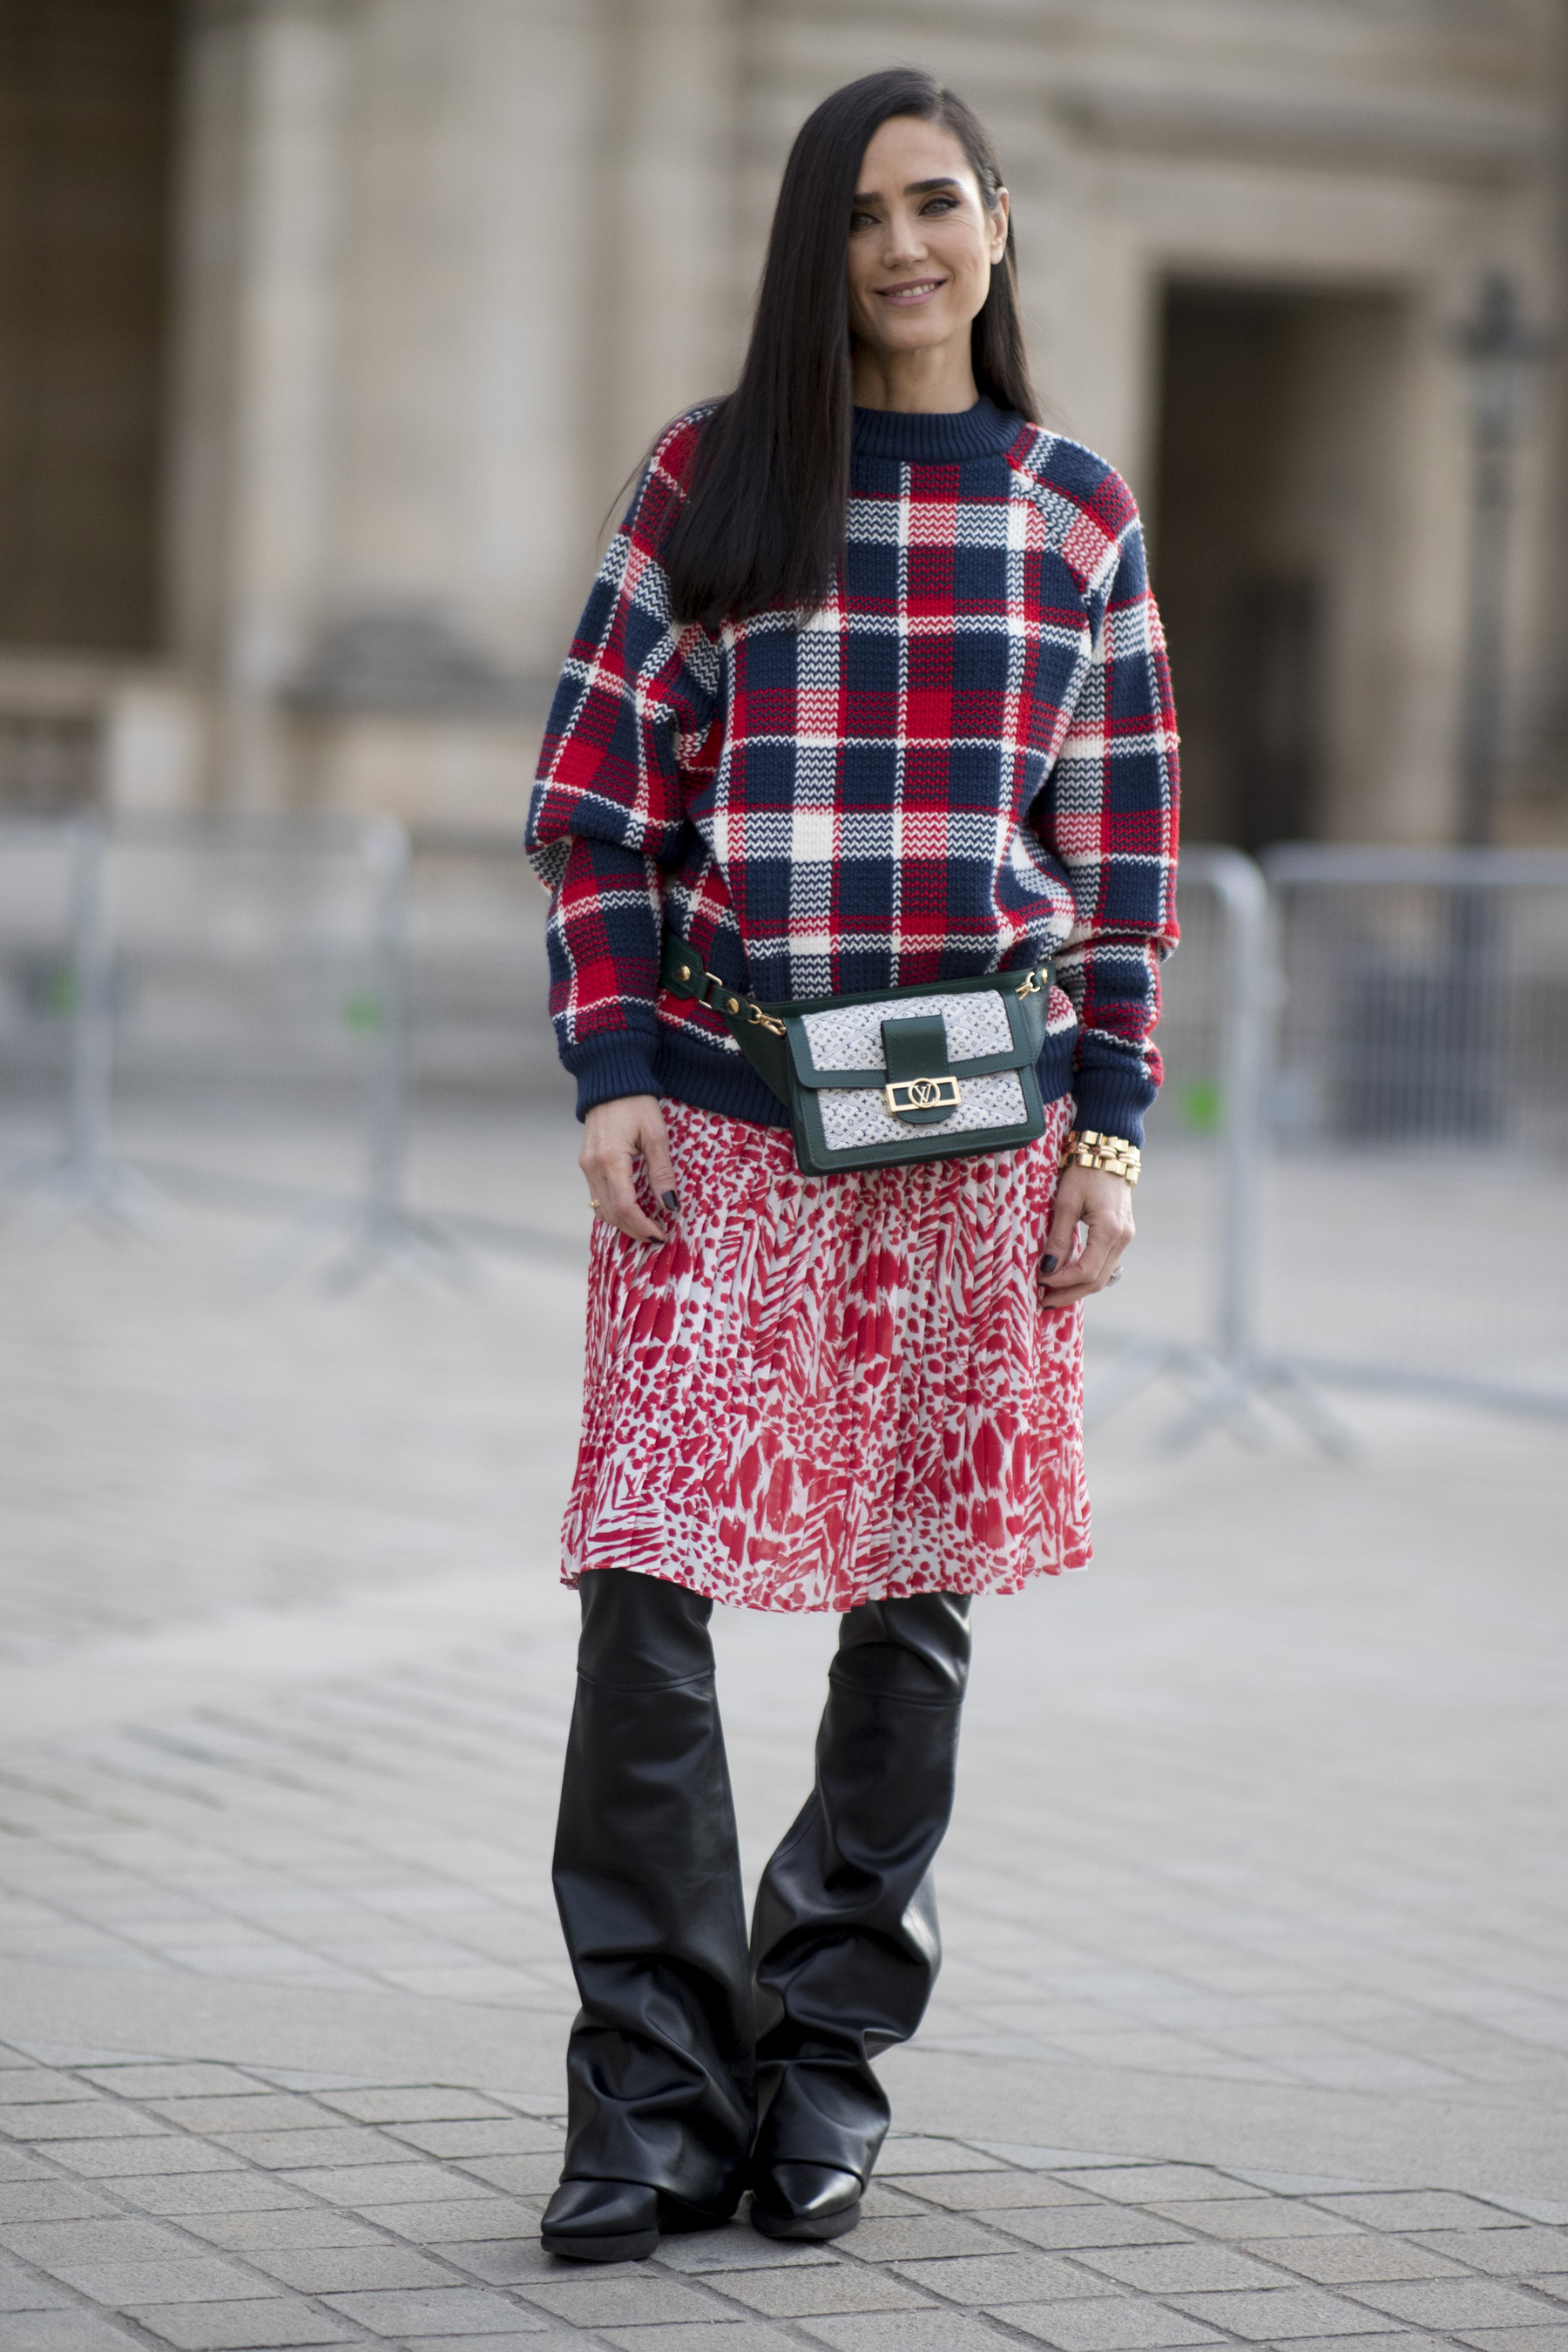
[1114, 1276]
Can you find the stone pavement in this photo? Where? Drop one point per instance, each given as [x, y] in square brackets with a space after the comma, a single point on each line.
[1254, 2023]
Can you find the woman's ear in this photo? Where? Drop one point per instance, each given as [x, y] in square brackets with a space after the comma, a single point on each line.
[998, 224]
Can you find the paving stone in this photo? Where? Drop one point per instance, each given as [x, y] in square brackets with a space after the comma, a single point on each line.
[1551, 2339]
[968, 2192]
[49, 2200]
[260, 2110]
[279, 2322]
[1552, 2283]
[914, 2237]
[343, 2270]
[1402, 2342]
[84, 2119]
[1428, 2209]
[730, 2335]
[66, 2331]
[1068, 2228]
[299, 2229]
[633, 2295]
[21, 2290]
[881, 2201]
[1348, 2262]
[334, 2145]
[37, 2086]
[121, 2239]
[920, 2155]
[1106, 2324]
[411, 2104]
[503, 2262]
[178, 2080]
[121, 2160]
[15, 2164]
[911, 2331]
[516, 2135]
[1180, 2270]
[1155, 2184]
[533, 2175]
[1257, 2218]
[698, 2252]
[821, 2287]
[524, 2334]
[472, 2218]
[186, 2193]
[1507, 2254]
[1265, 2317]
[196, 2278]
[387, 2184]
[432, 2311]
[1449, 2305]
[995, 2278]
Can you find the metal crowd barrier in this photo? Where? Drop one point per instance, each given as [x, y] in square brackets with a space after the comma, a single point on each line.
[1415, 1204]
[1354, 1174]
[323, 979]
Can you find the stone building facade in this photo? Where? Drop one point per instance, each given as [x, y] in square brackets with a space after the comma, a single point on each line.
[331, 328]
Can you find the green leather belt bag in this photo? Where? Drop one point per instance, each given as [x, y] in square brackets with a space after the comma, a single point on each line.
[892, 1075]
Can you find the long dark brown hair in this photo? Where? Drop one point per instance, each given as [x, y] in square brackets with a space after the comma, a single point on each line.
[764, 521]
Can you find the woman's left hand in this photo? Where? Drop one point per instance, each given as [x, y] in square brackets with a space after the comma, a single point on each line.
[1102, 1203]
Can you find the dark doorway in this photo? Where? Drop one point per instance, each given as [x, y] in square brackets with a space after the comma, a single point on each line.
[1269, 535]
[86, 142]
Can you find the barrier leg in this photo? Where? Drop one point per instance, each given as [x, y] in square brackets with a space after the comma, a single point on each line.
[84, 1178]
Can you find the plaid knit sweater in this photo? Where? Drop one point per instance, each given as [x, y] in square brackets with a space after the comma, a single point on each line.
[966, 759]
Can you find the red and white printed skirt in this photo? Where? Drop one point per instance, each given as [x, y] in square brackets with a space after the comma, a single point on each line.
[828, 1390]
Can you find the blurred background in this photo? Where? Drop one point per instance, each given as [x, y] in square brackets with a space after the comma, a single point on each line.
[330, 330]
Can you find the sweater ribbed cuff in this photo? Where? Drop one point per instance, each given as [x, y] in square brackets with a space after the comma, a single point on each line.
[1113, 1101]
[608, 1067]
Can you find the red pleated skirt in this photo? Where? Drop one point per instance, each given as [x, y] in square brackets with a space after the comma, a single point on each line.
[828, 1390]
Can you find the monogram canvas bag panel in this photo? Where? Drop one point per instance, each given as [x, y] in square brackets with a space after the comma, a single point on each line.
[854, 1118]
[850, 1038]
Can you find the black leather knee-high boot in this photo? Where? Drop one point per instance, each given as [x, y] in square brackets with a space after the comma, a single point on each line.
[845, 1947]
[660, 2071]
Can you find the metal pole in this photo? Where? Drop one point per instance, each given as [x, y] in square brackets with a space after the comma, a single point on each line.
[1500, 350]
[93, 1007]
[1481, 750]
[1243, 896]
[386, 847]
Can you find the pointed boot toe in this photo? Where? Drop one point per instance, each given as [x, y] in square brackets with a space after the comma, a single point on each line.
[806, 2201]
[601, 2221]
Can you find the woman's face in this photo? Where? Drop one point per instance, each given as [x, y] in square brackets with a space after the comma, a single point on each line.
[922, 244]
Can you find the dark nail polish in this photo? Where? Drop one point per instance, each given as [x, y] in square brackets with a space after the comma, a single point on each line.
[1048, 1266]
[671, 1203]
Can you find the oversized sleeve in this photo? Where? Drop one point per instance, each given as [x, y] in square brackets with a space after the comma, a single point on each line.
[635, 697]
[1109, 813]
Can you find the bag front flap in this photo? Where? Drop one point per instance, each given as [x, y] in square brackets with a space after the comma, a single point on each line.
[901, 1040]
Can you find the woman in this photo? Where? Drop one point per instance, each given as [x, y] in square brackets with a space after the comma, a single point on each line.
[870, 693]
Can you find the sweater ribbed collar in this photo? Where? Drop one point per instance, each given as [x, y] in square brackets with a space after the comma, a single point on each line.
[934, 440]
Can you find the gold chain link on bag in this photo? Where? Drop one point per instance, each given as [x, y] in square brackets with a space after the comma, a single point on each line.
[714, 993]
[1111, 1153]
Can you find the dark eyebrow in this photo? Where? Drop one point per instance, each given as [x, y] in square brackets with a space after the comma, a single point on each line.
[915, 188]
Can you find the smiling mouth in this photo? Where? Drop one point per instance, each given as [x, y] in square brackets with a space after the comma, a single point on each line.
[915, 290]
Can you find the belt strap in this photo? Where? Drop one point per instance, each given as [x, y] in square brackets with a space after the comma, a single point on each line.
[759, 1034]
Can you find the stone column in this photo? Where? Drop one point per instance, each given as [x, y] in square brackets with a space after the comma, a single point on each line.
[259, 214]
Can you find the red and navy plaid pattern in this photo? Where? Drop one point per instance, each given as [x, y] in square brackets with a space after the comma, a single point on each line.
[966, 759]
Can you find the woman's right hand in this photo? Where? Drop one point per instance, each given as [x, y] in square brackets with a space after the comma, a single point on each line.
[615, 1136]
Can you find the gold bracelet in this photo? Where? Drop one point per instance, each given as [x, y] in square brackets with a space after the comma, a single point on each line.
[1112, 1153]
